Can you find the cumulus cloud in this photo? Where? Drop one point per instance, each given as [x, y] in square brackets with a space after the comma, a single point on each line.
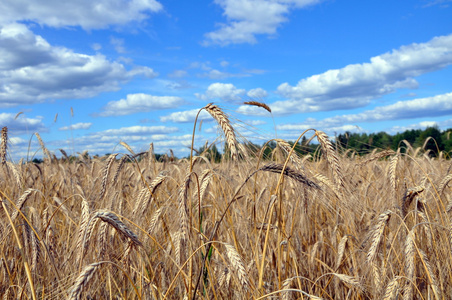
[229, 93]
[21, 124]
[257, 93]
[356, 85]
[224, 91]
[248, 18]
[33, 71]
[85, 13]
[77, 126]
[436, 106]
[187, 116]
[140, 102]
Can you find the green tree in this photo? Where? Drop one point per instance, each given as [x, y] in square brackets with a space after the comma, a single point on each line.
[431, 139]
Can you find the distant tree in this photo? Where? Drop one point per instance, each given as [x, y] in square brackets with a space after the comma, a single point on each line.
[435, 140]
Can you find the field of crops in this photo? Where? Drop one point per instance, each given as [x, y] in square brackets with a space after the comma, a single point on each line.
[333, 225]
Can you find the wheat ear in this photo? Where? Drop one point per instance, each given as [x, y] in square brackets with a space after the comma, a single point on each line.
[331, 157]
[105, 173]
[391, 289]
[383, 219]
[393, 173]
[237, 265]
[183, 207]
[44, 149]
[223, 120]
[114, 221]
[341, 250]
[84, 220]
[259, 104]
[409, 266]
[376, 156]
[286, 147]
[20, 203]
[278, 168]
[3, 145]
[82, 280]
[444, 183]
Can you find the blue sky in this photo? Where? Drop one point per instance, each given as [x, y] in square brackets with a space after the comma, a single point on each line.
[139, 70]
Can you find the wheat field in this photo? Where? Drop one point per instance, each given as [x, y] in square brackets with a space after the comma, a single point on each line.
[333, 225]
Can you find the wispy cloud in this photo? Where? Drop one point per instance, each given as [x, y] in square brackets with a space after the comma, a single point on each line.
[135, 103]
[356, 85]
[436, 106]
[77, 126]
[118, 44]
[21, 124]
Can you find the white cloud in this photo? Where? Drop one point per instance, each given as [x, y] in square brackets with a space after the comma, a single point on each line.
[258, 93]
[85, 13]
[216, 74]
[250, 110]
[21, 124]
[138, 137]
[136, 103]
[420, 125]
[77, 126]
[187, 116]
[33, 71]
[138, 131]
[178, 74]
[96, 46]
[118, 44]
[356, 85]
[248, 18]
[436, 106]
[255, 122]
[224, 91]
